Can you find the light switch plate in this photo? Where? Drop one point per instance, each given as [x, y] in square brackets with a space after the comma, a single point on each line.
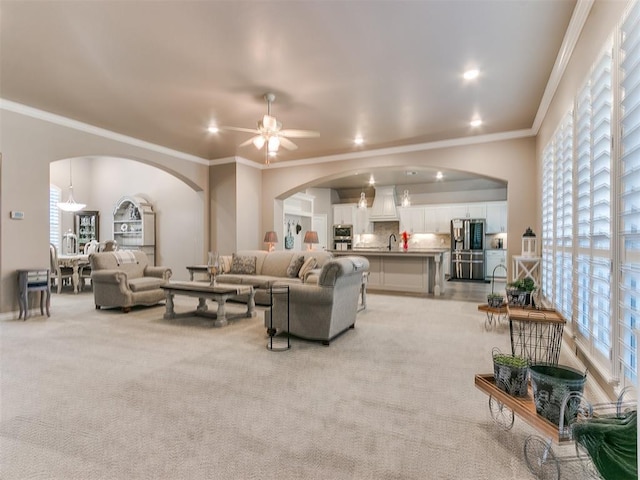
[17, 215]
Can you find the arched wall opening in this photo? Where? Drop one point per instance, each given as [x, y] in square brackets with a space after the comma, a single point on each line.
[100, 181]
[511, 161]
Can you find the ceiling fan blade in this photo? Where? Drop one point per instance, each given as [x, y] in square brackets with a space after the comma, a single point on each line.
[299, 133]
[286, 143]
[240, 129]
[248, 142]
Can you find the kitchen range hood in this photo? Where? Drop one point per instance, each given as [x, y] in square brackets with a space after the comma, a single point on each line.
[384, 205]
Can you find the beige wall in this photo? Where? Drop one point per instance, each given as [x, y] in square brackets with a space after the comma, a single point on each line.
[29, 145]
[223, 208]
[249, 232]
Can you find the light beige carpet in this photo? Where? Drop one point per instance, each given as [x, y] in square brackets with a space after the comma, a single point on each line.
[92, 394]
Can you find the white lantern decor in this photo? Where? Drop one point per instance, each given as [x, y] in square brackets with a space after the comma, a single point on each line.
[529, 243]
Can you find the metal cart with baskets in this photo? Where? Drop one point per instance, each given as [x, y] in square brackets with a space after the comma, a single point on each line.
[536, 334]
[495, 308]
[538, 449]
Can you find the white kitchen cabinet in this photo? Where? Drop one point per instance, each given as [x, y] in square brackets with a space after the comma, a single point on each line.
[362, 223]
[344, 214]
[468, 210]
[437, 219]
[493, 258]
[496, 217]
[412, 219]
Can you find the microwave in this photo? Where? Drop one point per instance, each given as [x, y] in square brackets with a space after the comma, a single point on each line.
[342, 232]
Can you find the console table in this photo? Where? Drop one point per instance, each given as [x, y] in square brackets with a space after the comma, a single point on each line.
[34, 280]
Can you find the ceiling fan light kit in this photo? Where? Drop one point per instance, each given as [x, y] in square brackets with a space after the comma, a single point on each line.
[271, 134]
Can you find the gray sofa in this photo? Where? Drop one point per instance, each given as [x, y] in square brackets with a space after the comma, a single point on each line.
[270, 267]
[323, 310]
[124, 278]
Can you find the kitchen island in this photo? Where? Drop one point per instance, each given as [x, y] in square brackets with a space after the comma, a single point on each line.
[415, 271]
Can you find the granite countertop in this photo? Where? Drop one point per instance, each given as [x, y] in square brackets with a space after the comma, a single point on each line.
[383, 251]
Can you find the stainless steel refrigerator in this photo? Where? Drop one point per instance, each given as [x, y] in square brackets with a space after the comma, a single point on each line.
[467, 248]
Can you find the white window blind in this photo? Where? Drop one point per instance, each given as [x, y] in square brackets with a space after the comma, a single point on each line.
[630, 191]
[55, 195]
[563, 202]
[593, 209]
[547, 270]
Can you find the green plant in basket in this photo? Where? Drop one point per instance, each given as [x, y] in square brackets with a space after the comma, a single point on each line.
[510, 360]
[523, 284]
[511, 373]
[495, 299]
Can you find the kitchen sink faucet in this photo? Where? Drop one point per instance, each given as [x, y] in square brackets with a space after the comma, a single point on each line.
[394, 239]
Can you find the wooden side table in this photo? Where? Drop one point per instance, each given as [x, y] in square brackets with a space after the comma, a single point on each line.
[34, 280]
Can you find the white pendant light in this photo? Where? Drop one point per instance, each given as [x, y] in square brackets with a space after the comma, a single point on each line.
[406, 201]
[362, 203]
[71, 205]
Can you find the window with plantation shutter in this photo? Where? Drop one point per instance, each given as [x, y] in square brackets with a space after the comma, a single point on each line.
[55, 195]
[593, 210]
[563, 202]
[547, 270]
[629, 218]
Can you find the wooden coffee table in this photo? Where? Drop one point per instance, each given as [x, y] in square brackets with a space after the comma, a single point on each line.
[220, 293]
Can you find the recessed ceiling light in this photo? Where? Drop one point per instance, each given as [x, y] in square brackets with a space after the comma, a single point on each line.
[471, 74]
[213, 129]
[439, 176]
[410, 173]
[372, 180]
[476, 122]
[358, 140]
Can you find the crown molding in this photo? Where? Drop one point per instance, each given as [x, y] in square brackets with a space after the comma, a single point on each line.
[578, 19]
[419, 147]
[10, 106]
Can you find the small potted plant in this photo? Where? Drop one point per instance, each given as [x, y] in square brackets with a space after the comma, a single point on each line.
[495, 300]
[519, 292]
[511, 373]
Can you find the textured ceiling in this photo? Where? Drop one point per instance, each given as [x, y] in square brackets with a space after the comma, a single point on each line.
[388, 70]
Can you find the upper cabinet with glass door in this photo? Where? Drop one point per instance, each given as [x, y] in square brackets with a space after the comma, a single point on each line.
[87, 227]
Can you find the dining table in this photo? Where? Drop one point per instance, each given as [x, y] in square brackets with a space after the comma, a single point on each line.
[76, 262]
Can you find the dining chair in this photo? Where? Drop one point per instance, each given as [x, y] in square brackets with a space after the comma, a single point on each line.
[108, 246]
[85, 269]
[58, 274]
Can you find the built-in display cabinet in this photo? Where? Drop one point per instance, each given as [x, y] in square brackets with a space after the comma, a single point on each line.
[134, 226]
[87, 227]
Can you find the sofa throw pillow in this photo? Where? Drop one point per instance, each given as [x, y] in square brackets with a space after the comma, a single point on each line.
[294, 266]
[243, 265]
[225, 263]
[308, 265]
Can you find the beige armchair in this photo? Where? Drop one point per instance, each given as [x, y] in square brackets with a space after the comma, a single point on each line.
[324, 310]
[124, 278]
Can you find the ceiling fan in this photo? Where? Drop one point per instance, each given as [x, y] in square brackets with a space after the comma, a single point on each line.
[271, 134]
